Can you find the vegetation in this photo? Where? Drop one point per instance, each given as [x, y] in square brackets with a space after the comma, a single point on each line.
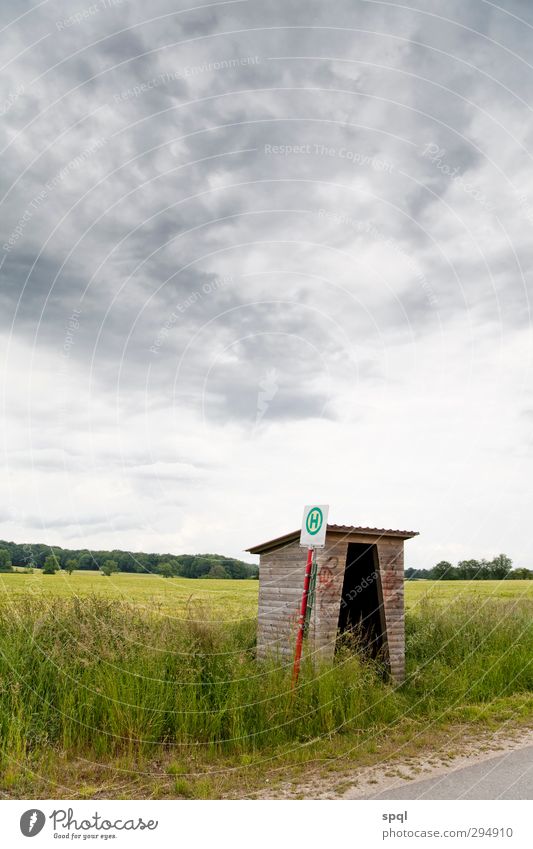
[216, 566]
[109, 567]
[102, 679]
[181, 565]
[51, 565]
[222, 598]
[228, 600]
[497, 569]
[5, 560]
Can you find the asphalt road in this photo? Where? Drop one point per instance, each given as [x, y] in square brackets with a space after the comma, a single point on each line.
[508, 776]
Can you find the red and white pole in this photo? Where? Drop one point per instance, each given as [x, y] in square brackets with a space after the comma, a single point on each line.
[301, 621]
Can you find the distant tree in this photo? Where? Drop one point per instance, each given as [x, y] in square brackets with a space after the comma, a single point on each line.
[51, 565]
[71, 565]
[468, 570]
[176, 566]
[443, 571]
[412, 574]
[202, 565]
[99, 558]
[500, 567]
[61, 556]
[127, 563]
[86, 561]
[109, 567]
[185, 561]
[484, 571]
[184, 565]
[521, 574]
[165, 569]
[18, 555]
[237, 570]
[5, 560]
[41, 553]
[217, 571]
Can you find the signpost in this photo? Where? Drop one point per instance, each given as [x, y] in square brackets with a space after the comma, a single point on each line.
[314, 525]
[312, 536]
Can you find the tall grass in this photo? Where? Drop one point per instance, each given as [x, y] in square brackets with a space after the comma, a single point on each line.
[100, 676]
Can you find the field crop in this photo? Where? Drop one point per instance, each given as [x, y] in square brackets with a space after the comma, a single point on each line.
[220, 599]
[160, 678]
[152, 593]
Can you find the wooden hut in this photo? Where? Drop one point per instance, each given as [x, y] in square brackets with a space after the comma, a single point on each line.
[359, 587]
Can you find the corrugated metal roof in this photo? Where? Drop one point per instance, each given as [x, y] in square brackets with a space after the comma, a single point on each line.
[341, 529]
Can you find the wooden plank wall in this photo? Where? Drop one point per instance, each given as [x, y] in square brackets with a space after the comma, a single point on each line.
[281, 578]
[390, 555]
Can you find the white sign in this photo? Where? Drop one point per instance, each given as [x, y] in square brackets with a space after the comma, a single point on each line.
[314, 526]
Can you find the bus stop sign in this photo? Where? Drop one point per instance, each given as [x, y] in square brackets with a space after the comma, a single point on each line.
[314, 526]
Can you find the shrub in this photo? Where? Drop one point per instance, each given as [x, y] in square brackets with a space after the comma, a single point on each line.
[51, 565]
[109, 567]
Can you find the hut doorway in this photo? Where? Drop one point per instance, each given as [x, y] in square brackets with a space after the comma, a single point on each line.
[361, 611]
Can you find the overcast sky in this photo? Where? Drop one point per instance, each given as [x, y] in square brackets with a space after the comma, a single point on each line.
[255, 255]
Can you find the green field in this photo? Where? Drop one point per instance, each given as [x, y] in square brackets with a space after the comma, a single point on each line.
[216, 599]
[171, 596]
[139, 686]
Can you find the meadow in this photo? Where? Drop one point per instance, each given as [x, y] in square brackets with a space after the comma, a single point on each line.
[232, 600]
[142, 686]
[226, 599]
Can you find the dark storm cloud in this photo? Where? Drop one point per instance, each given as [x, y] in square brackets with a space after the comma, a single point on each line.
[375, 101]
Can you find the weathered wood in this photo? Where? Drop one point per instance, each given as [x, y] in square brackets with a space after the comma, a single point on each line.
[281, 574]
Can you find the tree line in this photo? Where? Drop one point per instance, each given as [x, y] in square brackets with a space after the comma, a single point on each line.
[54, 558]
[500, 568]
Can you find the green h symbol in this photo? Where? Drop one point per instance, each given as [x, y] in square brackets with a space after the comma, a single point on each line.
[314, 520]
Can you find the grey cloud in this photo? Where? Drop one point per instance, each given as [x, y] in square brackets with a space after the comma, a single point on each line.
[309, 180]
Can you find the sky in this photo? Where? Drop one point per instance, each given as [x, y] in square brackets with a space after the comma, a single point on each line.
[259, 255]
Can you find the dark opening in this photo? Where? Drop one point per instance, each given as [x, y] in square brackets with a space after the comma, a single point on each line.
[361, 610]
